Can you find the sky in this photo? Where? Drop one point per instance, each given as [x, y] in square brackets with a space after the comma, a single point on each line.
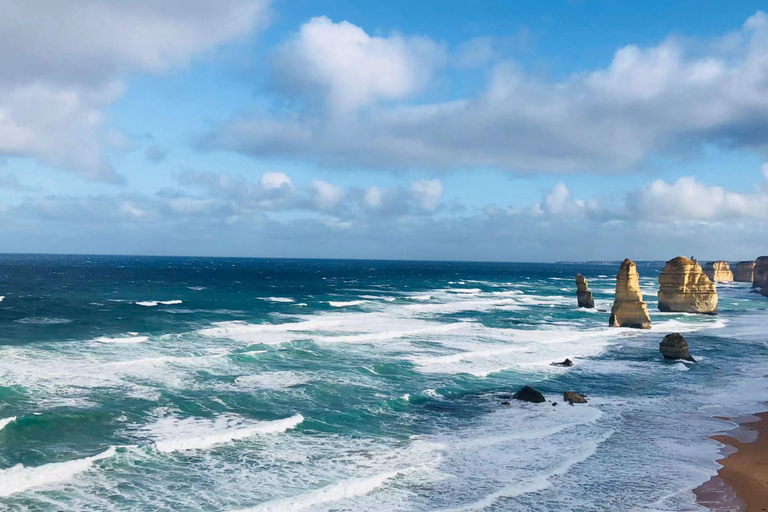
[441, 130]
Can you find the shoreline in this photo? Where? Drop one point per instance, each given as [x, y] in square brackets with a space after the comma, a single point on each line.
[742, 483]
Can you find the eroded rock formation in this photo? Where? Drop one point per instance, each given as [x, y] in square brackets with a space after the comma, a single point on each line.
[528, 394]
[719, 271]
[583, 295]
[629, 310]
[744, 271]
[684, 288]
[574, 398]
[761, 275]
[674, 346]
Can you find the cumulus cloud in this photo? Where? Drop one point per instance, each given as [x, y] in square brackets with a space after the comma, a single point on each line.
[427, 193]
[327, 195]
[342, 66]
[65, 61]
[669, 98]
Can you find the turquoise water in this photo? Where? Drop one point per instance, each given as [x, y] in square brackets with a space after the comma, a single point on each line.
[137, 383]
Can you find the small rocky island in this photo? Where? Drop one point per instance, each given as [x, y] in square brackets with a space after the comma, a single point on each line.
[685, 288]
[760, 280]
[719, 272]
[583, 295]
[744, 271]
[629, 310]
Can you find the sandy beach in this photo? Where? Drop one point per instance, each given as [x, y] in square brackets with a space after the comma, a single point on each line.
[742, 482]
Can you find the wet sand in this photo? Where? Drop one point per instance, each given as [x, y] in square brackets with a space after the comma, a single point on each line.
[742, 482]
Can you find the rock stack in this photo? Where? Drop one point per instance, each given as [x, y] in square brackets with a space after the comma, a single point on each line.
[761, 275]
[684, 288]
[719, 272]
[674, 346]
[583, 295]
[629, 310]
[744, 271]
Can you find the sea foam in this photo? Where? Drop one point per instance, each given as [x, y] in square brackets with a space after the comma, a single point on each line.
[174, 434]
[20, 478]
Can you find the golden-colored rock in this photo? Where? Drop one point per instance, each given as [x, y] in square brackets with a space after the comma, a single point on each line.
[583, 295]
[685, 288]
[719, 271]
[629, 310]
[744, 271]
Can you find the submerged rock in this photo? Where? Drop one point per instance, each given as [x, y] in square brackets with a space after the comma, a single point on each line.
[567, 363]
[574, 398]
[674, 346]
[583, 295]
[528, 394]
[629, 310]
[684, 288]
[719, 272]
[761, 275]
[744, 271]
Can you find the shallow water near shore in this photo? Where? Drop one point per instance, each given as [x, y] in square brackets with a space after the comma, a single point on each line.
[138, 383]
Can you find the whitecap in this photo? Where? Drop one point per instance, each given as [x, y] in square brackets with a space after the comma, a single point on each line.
[122, 340]
[277, 299]
[20, 478]
[342, 490]
[5, 421]
[347, 303]
[174, 434]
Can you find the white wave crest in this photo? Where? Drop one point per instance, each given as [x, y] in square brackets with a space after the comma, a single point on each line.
[346, 304]
[152, 303]
[122, 340]
[43, 320]
[173, 434]
[277, 299]
[5, 421]
[339, 491]
[20, 478]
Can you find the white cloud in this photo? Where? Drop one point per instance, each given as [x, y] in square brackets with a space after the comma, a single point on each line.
[349, 68]
[427, 193]
[373, 197]
[65, 61]
[327, 195]
[275, 180]
[670, 98]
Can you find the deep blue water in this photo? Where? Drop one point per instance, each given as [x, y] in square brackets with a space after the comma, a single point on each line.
[149, 383]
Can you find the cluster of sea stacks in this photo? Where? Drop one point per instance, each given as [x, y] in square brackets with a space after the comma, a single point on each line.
[684, 287]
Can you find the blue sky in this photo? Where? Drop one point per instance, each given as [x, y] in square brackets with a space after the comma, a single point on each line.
[483, 130]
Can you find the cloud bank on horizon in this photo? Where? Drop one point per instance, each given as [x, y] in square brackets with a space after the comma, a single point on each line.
[365, 142]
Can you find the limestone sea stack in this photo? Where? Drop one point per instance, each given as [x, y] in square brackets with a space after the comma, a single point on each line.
[629, 310]
[684, 288]
[744, 271]
[719, 272]
[761, 275]
[583, 295]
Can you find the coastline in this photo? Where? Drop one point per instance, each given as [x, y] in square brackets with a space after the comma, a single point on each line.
[742, 483]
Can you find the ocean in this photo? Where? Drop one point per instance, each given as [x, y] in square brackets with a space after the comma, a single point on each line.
[228, 384]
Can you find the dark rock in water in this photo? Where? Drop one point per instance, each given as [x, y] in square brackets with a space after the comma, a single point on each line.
[528, 394]
[505, 403]
[567, 363]
[574, 398]
[554, 404]
[674, 346]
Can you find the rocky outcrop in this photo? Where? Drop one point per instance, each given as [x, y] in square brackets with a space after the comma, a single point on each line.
[528, 394]
[684, 288]
[674, 346]
[719, 272]
[565, 364]
[744, 271]
[761, 275]
[583, 295]
[574, 398]
[629, 310]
